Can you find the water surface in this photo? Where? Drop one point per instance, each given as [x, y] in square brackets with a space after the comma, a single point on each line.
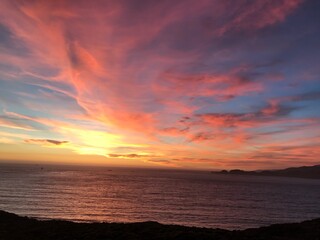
[172, 197]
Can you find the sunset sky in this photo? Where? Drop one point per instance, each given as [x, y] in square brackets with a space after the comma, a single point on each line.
[201, 84]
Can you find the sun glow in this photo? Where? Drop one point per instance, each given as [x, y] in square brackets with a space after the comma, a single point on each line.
[176, 84]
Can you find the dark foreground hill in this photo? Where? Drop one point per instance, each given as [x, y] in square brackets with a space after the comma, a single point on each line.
[13, 227]
[300, 172]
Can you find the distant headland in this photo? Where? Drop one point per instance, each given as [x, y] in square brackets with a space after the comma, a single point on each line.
[299, 172]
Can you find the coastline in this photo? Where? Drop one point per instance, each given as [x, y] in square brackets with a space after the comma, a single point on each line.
[15, 227]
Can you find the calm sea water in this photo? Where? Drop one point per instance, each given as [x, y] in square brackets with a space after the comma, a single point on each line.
[166, 196]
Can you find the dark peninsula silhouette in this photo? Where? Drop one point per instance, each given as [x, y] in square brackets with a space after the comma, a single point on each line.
[13, 227]
[299, 172]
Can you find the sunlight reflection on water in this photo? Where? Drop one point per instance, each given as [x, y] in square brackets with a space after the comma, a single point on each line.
[173, 197]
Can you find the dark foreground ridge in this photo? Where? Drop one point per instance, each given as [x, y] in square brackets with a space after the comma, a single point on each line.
[299, 172]
[13, 227]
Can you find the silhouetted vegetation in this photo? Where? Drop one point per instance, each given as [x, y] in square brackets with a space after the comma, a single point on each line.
[13, 227]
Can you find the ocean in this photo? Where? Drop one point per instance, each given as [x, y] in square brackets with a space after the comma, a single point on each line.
[190, 198]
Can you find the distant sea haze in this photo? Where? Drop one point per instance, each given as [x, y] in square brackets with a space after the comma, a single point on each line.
[171, 197]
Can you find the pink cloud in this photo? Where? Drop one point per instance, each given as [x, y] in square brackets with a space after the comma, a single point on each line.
[259, 14]
[133, 67]
[96, 54]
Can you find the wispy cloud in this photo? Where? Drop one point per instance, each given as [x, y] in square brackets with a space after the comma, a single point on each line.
[209, 79]
[131, 155]
[17, 121]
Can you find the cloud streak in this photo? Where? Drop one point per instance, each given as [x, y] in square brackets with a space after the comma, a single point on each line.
[45, 141]
[202, 78]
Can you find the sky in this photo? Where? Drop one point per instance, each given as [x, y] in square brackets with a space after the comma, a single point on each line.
[204, 84]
